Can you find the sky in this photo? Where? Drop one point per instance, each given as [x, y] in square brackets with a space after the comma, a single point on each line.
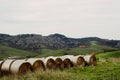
[73, 18]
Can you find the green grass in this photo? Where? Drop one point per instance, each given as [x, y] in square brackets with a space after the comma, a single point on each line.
[94, 47]
[107, 68]
[8, 52]
[114, 54]
[50, 52]
[103, 71]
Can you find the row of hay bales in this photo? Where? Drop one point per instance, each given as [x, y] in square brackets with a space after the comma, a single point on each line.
[21, 66]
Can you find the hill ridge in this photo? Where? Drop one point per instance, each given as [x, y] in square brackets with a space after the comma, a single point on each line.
[34, 42]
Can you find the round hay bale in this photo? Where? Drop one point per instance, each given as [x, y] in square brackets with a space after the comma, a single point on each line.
[36, 63]
[50, 63]
[60, 63]
[67, 56]
[45, 60]
[20, 67]
[1, 62]
[90, 60]
[5, 68]
[78, 60]
[67, 63]
[66, 60]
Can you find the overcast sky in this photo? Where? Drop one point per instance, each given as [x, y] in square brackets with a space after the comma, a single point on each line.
[73, 18]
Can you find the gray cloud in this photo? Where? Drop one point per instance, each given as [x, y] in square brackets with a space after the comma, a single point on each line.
[74, 18]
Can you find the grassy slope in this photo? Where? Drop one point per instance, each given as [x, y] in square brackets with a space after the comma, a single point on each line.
[115, 54]
[14, 52]
[50, 52]
[94, 47]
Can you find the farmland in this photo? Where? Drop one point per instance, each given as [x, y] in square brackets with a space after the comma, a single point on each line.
[8, 52]
[107, 68]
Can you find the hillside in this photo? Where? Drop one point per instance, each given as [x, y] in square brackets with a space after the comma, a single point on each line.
[93, 47]
[115, 54]
[35, 42]
[9, 52]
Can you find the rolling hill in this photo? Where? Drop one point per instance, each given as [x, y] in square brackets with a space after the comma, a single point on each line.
[25, 45]
[108, 61]
[94, 47]
[35, 42]
[6, 52]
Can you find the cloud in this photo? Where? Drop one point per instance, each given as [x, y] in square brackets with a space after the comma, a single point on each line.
[75, 18]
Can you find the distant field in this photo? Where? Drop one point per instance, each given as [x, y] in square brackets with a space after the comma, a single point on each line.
[50, 52]
[8, 52]
[94, 47]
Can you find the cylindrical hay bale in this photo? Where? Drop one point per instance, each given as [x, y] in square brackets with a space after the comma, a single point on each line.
[66, 56]
[46, 59]
[1, 62]
[67, 62]
[36, 63]
[50, 63]
[78, 60]
[60, 63]
[5, 68]
[20, 67]
[90, 60]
